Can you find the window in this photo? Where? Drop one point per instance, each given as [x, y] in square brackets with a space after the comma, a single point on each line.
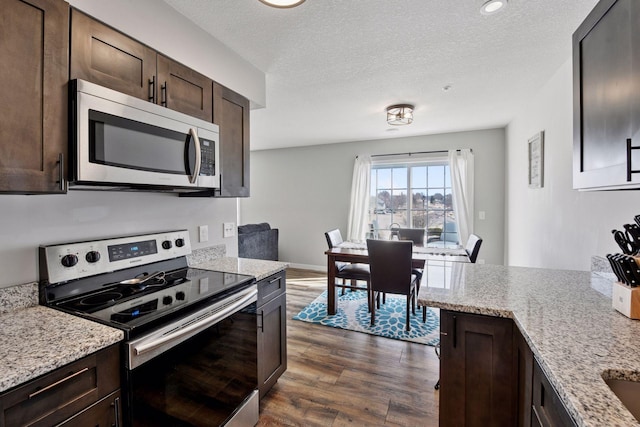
[416, 195]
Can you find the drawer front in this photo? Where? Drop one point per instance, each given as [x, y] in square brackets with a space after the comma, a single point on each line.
[64, 392]
[106, 413]
[271, 287]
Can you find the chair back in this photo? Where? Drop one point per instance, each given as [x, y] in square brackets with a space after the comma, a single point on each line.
[390, 265]
[334, 238]
[473, 247]
[416, 235]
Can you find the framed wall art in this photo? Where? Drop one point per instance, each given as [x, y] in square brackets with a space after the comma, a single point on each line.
[536, 160]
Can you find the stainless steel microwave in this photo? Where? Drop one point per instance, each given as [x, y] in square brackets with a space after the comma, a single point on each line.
[122, 142]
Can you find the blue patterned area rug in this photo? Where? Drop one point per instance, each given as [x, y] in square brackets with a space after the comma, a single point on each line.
[390, 318]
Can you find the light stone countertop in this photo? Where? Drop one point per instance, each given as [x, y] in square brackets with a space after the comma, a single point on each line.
[567, 319]
[36, 340]
[252, 267]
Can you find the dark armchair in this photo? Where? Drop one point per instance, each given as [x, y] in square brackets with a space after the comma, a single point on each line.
[258, 241]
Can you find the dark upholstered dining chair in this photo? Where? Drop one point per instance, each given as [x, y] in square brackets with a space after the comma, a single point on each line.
[390, 265]
[347, 271]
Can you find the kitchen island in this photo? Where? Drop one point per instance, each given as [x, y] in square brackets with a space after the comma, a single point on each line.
[565, 317]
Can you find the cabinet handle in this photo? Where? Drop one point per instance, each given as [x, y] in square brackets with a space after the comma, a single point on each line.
[455, 331]
[274, 280]
[163, 94]
[152, 89]
[57, 383]
[629, 169]
[60, 164]
[116, 412]
[261, 322]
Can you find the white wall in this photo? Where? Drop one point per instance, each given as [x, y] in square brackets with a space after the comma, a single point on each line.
[161, 27]
[305, 191]
[29, 221]
[556, 226]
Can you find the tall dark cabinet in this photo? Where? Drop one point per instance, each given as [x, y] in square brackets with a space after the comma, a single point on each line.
[34, 47]
[231, 113]
[476, 371]
[606, 85]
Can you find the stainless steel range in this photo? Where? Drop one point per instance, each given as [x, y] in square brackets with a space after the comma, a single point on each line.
[190, 349]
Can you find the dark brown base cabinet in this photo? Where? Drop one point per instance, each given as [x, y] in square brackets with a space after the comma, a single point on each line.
[272, 331]
[476, 376]
[82, 393]
[34, 47]
[489, 377]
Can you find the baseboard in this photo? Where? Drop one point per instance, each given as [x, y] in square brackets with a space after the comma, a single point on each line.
[320, 268]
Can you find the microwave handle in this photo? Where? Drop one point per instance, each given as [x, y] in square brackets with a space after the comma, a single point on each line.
[196, 140]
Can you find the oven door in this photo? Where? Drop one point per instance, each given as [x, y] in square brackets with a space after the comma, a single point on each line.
[121, 140]
[198, 371]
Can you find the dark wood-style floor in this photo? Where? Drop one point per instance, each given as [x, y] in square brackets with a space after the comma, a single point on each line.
[337, 377]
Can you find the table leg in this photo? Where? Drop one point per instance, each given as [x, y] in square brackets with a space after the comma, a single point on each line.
[331, 288]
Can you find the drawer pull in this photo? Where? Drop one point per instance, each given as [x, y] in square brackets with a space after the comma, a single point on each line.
[57, 383]
[275, 280]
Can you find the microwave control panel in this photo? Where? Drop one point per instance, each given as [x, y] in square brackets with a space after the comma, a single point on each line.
[208, 157]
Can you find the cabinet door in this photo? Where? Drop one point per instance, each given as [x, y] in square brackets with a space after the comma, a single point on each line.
[606, 95]
[105, 413]
[272, 342]
[476, 371]
[231, 113]
[548, 410]
[183, 89]
[104, 56]
[523, 363]
[34, 47]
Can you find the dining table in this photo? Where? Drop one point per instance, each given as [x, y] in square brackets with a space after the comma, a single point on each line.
[357, 253]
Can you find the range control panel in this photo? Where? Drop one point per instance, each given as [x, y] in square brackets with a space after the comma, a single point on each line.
[70, 261]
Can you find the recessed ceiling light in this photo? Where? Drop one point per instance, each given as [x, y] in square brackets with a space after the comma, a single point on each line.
[282, 4]
[492, 6]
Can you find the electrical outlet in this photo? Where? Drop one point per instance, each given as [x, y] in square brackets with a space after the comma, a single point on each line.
[481, 215]
[203, 230]
[228, 229]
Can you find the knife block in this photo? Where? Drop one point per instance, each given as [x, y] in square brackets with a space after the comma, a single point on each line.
[626, 300]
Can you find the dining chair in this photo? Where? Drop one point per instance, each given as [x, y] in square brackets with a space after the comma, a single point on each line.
[348, 271]
[473, 247]
[416, 235]
[390, 265]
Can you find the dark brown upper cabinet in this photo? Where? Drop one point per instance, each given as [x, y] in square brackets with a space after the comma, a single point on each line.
[34, 47]
[606, 97]
[103, 55]
[231, 113]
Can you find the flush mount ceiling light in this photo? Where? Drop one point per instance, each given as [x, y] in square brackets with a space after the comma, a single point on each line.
[401, 114]
[493, 6]
[282, 4]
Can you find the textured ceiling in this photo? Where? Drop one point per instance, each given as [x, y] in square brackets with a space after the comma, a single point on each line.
[333, 66]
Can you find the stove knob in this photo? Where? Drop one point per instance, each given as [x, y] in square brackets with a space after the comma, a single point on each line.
[93, 256]
[179, 243]
[69, 260]
[180, 296]
[167, 244]
[167, 300]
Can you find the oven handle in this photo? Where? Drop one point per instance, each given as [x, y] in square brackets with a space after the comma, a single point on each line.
[145, 347]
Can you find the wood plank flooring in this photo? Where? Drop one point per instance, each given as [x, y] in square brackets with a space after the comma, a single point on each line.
[337, 377]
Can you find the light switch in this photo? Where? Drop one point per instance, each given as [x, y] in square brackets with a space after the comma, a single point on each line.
[203, 231]
[228, 229]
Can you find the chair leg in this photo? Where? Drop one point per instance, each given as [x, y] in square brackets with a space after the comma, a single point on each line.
[413, 304]
[424, 314]
[344, 282]
[373, 308]
[408, 327]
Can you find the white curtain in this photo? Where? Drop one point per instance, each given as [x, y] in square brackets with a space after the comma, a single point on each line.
[461, 167]
[359, 210]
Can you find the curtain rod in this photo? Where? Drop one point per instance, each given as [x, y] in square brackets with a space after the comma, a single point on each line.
[409, 154]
